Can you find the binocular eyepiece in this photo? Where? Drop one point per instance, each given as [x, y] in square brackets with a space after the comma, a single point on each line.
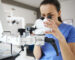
[49, 17]
[51, 40]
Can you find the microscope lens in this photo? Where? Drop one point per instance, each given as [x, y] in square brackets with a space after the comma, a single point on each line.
[41, 18]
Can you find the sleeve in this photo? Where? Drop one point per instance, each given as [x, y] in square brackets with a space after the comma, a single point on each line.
[71, 36]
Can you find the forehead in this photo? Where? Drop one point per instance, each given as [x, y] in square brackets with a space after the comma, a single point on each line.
[47, 8]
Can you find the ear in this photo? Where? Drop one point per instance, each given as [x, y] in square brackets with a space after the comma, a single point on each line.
[59, 13]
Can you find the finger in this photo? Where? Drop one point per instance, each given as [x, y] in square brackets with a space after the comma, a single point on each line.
[49, 26]
[52, 23]
[49, 19]
[48, 32]
[47, 22]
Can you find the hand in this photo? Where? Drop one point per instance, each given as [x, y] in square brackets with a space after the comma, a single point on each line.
[55, 31]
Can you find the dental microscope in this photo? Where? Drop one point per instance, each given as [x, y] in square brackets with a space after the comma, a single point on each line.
[40, 30]
[36, 34]
[15, 34]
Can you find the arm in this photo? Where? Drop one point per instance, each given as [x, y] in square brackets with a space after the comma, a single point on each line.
[67, 50]
[72, 46]
[37, 52]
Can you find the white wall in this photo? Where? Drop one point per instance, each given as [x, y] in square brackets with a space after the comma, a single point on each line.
[29, 15]
[68, 10]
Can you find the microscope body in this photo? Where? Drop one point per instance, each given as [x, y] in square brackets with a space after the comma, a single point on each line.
[32, 36]
[41, 29]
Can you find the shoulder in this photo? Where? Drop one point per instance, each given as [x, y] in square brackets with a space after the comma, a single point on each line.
[72, 28]
[67, 27]
[71, 34]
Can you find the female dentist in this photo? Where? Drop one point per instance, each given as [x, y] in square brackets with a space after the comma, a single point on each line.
[63, 34]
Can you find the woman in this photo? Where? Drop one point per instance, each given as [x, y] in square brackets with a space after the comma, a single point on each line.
[63, 34]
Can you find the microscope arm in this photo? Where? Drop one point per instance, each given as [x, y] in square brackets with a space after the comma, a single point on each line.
[52, 42]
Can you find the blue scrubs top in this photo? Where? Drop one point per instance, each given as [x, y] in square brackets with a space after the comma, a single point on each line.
[49, 52]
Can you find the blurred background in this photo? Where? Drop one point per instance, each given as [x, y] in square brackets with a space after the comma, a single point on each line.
[29, 9]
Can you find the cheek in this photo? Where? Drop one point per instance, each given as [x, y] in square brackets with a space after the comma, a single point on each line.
[55, 17]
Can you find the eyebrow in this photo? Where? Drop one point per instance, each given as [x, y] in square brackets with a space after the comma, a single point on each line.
[50, 14]
[42, 14]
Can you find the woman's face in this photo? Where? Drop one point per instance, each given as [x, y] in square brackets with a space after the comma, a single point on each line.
[50, 9]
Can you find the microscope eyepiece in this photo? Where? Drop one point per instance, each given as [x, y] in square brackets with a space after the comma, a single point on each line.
[42, 18]
[21, 31]
[49, 17]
